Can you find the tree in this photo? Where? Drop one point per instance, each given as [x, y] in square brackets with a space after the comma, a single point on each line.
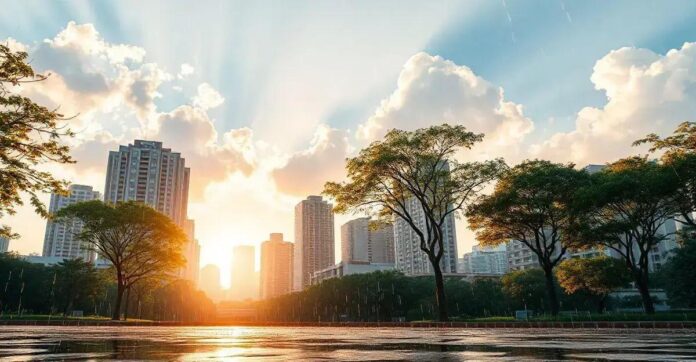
[597, 276]
[680, 275]
[138, 241]
[29, 135]
[530, 204]
[525, 287]
[76, 281]
[680, 157]
[412, 172]
[624, 209]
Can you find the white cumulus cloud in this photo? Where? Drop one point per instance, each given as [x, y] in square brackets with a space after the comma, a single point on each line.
[207, 97]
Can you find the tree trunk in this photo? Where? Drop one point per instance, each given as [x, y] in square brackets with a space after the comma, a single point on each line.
[551, 291]
[120, 288]
[440, 292]
[642, 284]
[126, 304]
[601, 303]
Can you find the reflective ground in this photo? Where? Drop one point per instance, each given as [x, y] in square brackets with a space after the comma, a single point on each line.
[347, 344]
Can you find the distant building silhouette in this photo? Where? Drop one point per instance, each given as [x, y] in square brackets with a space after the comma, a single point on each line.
[146, 172]
[4, 244]
[361, 243]
[276, 267]
[483, 260]
[314, 239]
[210, 282]
[243, 281]
[60, 239]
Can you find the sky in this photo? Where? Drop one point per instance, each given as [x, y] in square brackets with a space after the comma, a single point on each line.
[265, 100]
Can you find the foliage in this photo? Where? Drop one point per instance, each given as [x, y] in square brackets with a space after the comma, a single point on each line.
[680, 275]
[531, 203]
[23, 286]
[138, 241]
[77, 283]
[526, 287]
[598, 276]
[624, 209]
[30, 135]
[408, 172]
[680, 157]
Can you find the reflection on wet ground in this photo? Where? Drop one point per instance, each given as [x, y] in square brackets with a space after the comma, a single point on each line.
[27, 343]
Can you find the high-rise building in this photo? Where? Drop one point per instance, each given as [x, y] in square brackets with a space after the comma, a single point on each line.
[483, 260]
[210, 282]
[146, 172]
[60, 239]
[192, 253]
[410, 259]
[314, 239]
[243, 281]
[276, 267]
[4, 244]
[361, 243]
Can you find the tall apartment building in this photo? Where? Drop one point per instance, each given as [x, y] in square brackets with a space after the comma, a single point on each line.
[483, 260]
[276, 267]
[360, 243]
[243, 281]
[314, 239]
[60, 239]
[4, 244]
[410, 259]
[146, 172]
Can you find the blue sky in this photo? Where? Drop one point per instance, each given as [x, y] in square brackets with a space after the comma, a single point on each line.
[279, 93]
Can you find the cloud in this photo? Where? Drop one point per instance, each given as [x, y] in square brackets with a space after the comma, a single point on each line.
[306, 172]
[646, 92]
[188, 130]
[185, 70]
[431, 90]
[207, 97]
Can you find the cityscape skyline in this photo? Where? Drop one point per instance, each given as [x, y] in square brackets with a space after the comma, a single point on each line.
[486, 65]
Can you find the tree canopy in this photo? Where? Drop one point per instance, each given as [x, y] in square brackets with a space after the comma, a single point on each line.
[138, 241]
[30, 135]
[598, 276]
[412, 171]
[624, 208]
[680, 156]
[531, 203]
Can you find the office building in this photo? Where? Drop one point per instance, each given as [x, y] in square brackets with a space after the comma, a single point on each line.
[483, 260]
[409, 257]
[362, 243]
[60, 238]
[314, 239]
[192, 253]
[243, 281]
[342, 269]
[276, 267]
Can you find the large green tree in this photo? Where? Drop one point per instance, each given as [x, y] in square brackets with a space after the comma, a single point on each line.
[525, 288]
[680, 156]
[597, 276]
[30, 135]
[138, 241]
[679, 275]
[408, 174]
[531, 204]
[76, 281]
[624, 208]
